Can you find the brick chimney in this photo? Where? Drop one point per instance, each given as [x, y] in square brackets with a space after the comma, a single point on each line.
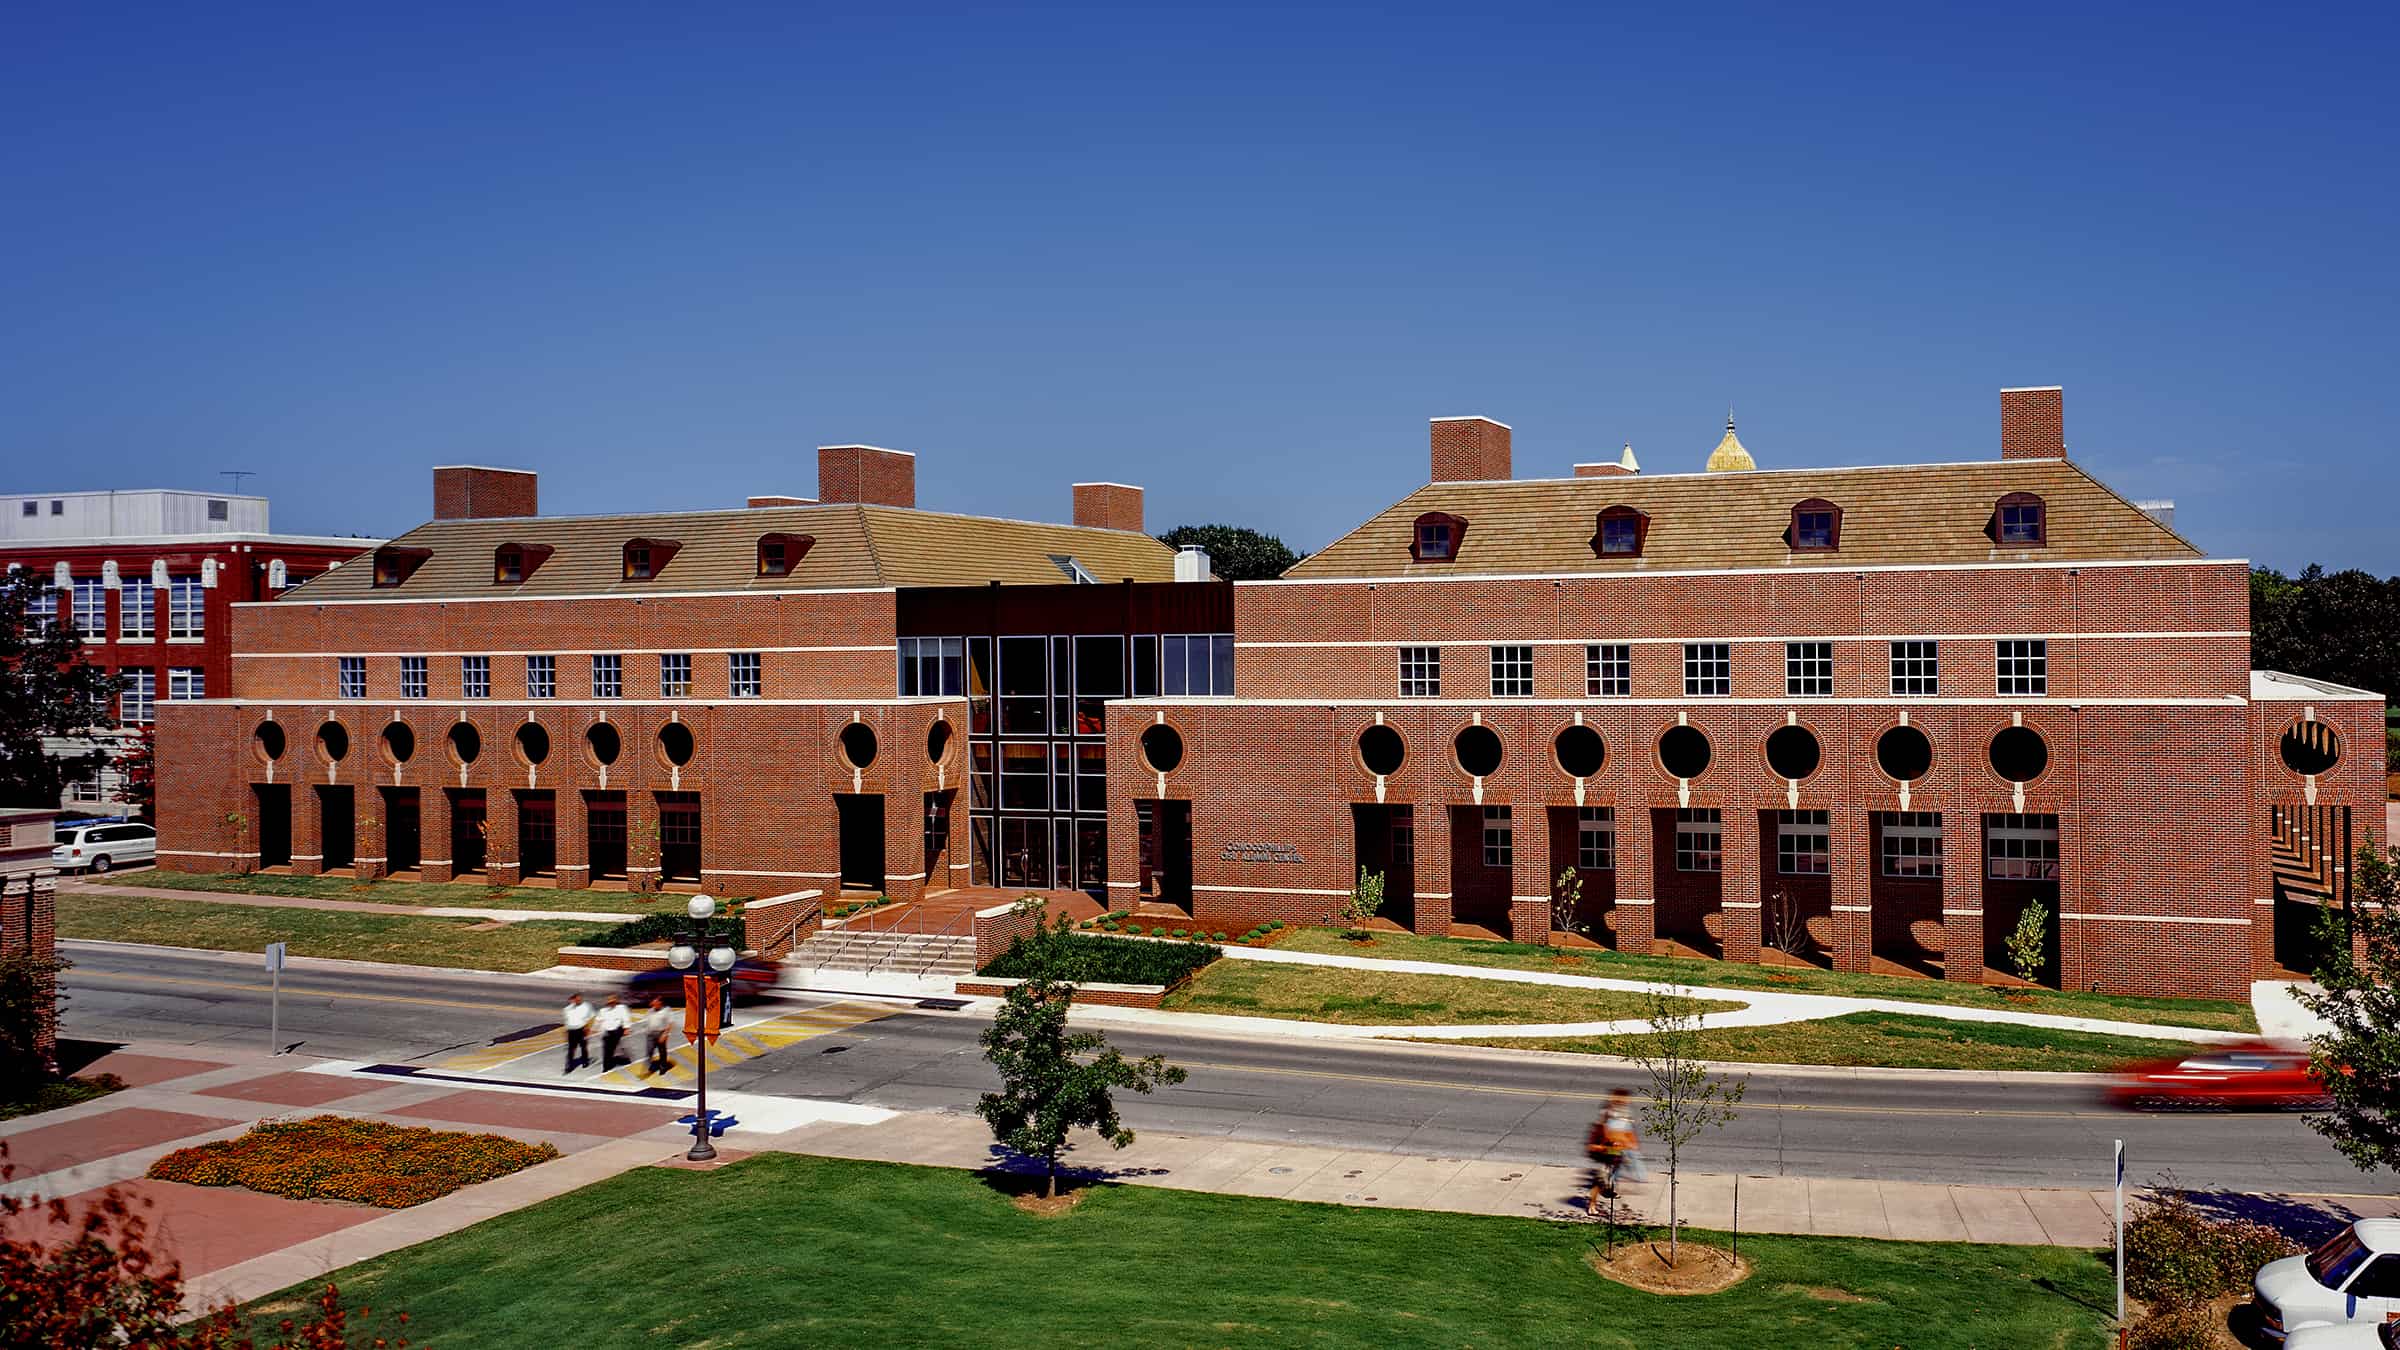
[473, 492]
[779, 500]
[1109, 506]
[1469, 449]
[866, 473]
[2033, 423]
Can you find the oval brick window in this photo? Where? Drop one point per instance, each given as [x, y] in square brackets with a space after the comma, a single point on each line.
[1581, 752]
[466, 743]
[333, 742]
[1684, 752]
[1478, 751]
[1162, 747]
[2309, 748]
[2019, 754]
[533, 743]
[858, 745]
[675, 744]
[1903, 753]
[602, 743]
[937, 742]
[267, 742]
[1793, 752]
[1381, 750]
[399, 743]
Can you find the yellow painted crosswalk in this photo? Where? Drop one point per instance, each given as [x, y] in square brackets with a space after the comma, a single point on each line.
[493, 1056]
[744, 1042]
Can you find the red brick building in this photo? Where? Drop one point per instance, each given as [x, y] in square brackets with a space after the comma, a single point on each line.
[1867, 716]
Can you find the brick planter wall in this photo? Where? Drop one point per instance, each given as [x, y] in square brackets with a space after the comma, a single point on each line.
[768, 928]
[614, 958]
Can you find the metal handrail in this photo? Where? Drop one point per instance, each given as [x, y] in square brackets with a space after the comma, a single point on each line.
[851, 935]
[814, 910]
[943, 932]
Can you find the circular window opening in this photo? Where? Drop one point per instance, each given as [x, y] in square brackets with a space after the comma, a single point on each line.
[603, 743]
[399, 743]
[858, 745]
[1684, 752]
[1904, 753]
[333, 742]
[1581, 752]
[1793, 752]
[2019, 754]
[267, 741]
[533, 743]
[1162, 747]
[937, 742]
[1478, 750]
[1381, 750]
[2309, 748]
[676, 743]
[466, 743]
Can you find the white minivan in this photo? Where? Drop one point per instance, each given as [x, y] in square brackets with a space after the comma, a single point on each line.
[2353, 1280]
[103, 847]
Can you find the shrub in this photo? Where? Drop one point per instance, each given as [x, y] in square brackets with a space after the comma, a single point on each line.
[1113, 926]
[1275, 925]
[1219, 935]
[1180, 932]
[2178, 1257]
[1158, 930]
[2193, 1327]
[659, 928]
[1096, 960]
[340, 1158]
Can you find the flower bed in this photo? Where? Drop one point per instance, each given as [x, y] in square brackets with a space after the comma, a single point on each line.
[341, 1158]
[1098, 960]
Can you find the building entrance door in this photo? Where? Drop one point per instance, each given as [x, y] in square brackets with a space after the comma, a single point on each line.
[274, 824]
[467, 825]
[1383, 842]
[861, 840]
[1165, 848]
[604, 834]
[537, 834]
[1025, 851]
[679, 836]
[335, 828]
[403, 841]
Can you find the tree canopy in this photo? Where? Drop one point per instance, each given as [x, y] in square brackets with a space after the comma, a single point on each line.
[47, 689]
[2358, 1059]
[1235, 553]
[2338, 626]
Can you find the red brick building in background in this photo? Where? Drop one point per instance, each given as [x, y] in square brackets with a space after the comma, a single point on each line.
[1866, 716]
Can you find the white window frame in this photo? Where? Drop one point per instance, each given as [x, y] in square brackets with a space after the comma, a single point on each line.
[1912, 845]
[186, 684]
[350, 676]
[187, 610]
[1420, 672]
[137, 610]
[475, 677]
[932, 667]
[1808, 669]
[1707, 669]
[1499, 837]
[91, 608]
[1596, 838]
[1608, 669]
[1512, 671]
[1916, 668]
[608, 675]
[674, 675]
[1699, 839]
[413, 683]
[2021, 667]
[1803, 844]
[1177, 671]
[541, 677]
[2021, 848]
[137, 696]
[745, 675]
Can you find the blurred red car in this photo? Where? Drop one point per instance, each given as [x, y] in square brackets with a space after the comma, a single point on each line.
[751, 979]
[2252, 1075]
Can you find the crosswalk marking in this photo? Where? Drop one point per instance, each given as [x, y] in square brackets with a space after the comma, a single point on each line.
[747, 1041]
[492, 1056]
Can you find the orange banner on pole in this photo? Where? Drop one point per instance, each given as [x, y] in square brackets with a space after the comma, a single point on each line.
[702, 1015]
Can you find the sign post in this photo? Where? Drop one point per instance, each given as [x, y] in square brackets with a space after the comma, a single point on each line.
[275, 1004]
[2120, 1237]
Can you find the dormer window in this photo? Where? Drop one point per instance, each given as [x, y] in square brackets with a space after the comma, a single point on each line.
[2020, 521]
[1620, 532]
[513, 563]
[778, 554]
[1437, 538]
[1816, 527]
[396, 563]
[646, 558]
[637, 562]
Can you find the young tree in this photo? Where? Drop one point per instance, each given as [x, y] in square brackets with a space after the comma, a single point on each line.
[1364, 903]
[1686, 1098]
[47, 690]
[1235, 553]
[1566, 899]
[2029, 942]
[1786, 930]
[1052, 1080]
[139, 764]
[2359, 1059]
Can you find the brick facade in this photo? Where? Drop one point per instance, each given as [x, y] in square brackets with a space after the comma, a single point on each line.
[472, 492]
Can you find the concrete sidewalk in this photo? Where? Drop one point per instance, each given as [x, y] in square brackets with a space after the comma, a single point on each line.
[352, 906]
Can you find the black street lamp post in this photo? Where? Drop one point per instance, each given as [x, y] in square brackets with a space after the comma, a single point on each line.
[703, 955]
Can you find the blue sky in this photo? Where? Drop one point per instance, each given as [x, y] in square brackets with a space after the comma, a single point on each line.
[1238, 256]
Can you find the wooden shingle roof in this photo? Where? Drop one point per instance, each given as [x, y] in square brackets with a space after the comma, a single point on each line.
[853, 546]
[1918, 514]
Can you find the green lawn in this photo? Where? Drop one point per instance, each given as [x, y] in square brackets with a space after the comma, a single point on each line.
[51, 1096]
[781, 1250]
[428, 893]
[1893, 1041]
[2178, 1012]
[1372, 998]
[408, 939]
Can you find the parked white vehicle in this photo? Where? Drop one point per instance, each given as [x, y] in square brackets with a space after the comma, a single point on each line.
[102, 848]
[2349, 1285]
[2347, 1336]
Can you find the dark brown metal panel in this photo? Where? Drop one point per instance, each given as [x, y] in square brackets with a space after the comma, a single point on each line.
[1073, 610]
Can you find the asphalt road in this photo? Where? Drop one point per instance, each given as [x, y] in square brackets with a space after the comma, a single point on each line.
[1437, 1101]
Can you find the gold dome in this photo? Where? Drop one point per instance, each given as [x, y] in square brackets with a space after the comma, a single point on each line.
[1729, 456]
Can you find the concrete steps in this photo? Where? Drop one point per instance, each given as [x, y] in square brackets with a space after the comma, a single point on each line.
[913, 954]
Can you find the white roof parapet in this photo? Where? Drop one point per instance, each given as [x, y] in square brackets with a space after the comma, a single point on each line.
[2277, 686]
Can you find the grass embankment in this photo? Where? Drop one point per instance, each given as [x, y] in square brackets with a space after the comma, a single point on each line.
[1373, 998]
[1891, 1041]
[887, 1255]
[426, 893]
[2177, 1012]
[58, 1093]
[348, 934]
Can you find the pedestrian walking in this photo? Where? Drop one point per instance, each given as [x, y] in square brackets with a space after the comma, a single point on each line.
[1614, 1148]
[656, 1023]
[614, 1019]
[578, 1017]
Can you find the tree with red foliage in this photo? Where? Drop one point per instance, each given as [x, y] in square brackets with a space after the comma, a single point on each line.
[139, 764]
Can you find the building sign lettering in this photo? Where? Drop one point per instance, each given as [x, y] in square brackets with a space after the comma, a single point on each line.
[1262, 853]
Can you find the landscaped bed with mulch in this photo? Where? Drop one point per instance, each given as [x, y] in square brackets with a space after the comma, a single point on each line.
[343, 1158]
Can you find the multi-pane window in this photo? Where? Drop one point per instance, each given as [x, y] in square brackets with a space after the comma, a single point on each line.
[137, 696]
[91, 608]
[1024, 776]
[1499, 837]
[1595, 837]
[743, 679]
[41, 617]
[1196, 663]
[186, 683]
[1024, 686]
[541, 677]
[1435, 539]
[350, 676]
[1620, 536]
[674, 675]
[1607, 669]
[2021, 848]
[412, 677]
[1807, 669]
[137, 610]
[187, 607]
[475, 676]
[1916, 669]
[1803, 844]
[1707, 669]
[608, 676]
[1812, 530]
[637, 562]
[1912, 844]
[1512, 672]
[2021, 524]
[1699, 839]
[1420, 672]
[2024, 666]
[932, 667]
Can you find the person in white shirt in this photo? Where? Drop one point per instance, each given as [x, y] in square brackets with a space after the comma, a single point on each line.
[655, 1025]
[614, 1019]
[578, 1018]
